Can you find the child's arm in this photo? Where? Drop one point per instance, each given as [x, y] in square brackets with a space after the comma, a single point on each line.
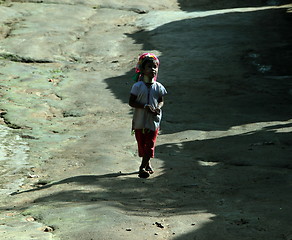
[133, 103]
[160, 102]
[160, 105]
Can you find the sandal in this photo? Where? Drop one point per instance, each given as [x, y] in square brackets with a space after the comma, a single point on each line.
[149, 169]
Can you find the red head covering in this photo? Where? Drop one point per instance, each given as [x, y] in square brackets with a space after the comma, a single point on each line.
[141, 59]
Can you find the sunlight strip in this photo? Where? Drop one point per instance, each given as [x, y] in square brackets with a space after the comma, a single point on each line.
[149, 21]
[192, 135]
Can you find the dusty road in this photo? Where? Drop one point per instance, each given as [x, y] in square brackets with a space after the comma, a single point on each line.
[223, 160]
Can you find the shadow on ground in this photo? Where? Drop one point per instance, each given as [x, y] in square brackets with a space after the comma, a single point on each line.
[210, 67]
[221, 71]
[203, 5]
[228, 177]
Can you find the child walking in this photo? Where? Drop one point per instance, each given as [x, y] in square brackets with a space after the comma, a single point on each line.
[147, 99]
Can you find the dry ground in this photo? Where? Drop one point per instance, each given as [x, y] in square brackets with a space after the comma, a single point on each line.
[223, 159]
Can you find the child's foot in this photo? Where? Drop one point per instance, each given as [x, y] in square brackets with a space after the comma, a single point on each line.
[149, 169]
[143, 173]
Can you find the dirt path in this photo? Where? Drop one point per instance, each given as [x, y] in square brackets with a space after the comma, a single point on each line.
[68, 160]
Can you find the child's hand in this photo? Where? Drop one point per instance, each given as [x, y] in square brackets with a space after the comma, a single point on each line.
[150, 108]
[155, 111]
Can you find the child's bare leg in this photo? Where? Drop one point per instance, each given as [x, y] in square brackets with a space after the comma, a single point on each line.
[145, 162]
[149, 168]
[143, 173]
[146, 165]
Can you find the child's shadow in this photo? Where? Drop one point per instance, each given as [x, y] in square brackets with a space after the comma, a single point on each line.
[80, 180]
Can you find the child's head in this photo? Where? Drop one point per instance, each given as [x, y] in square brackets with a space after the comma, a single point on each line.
[144, 60]
[149, 60]
[150, 68]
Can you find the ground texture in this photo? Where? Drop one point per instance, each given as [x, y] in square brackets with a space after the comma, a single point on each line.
[223, 158]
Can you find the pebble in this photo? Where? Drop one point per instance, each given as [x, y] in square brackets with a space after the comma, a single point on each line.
[30, 219]
[159, 225]
[47, 229]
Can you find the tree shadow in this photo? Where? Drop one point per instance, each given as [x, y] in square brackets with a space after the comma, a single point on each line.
[220, 71]
[243, 180]
[238, 178]
[203, 5]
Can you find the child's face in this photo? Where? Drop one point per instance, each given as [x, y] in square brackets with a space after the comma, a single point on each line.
[150, 70]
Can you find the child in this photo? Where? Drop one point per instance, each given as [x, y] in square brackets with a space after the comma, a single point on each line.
[147, 100]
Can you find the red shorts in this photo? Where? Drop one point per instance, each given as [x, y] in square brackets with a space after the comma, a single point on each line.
[146, 140]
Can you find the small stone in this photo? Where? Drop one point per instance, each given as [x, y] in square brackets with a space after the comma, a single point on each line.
[47, 229]
[27, 136]
[30, 219]
[129, 229]
[159, 225]
[140, 11]
[32, 175]
[11, 214]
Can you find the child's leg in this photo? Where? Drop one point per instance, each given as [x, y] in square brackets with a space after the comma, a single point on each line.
[146, 141]
[140, 138]
[145, 162]
[150, 142]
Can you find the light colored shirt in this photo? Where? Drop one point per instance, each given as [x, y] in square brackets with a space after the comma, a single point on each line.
[142, 118]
